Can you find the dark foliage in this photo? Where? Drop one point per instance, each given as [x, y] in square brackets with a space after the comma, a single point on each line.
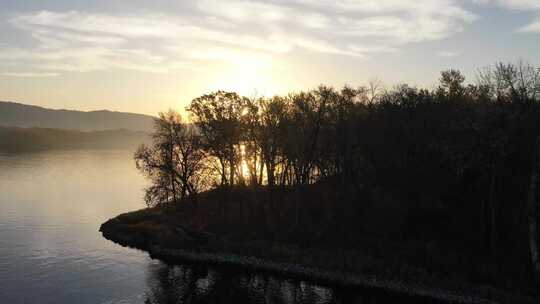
[444, 178]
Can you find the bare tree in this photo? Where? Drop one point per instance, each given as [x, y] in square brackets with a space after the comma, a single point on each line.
[273, 116]
[374, 90]
[511, 82]
[174, 162]
[218, 119]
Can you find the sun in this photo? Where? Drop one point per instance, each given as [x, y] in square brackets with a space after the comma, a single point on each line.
[245, 80]
[247, 75]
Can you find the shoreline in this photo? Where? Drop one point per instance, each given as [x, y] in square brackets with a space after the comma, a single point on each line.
[119, 231]
[333, 278]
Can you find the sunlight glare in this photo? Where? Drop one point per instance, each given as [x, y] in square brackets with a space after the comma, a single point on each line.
[247, 74]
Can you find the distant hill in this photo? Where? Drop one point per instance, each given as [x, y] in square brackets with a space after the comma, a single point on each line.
[26, 116]
[13, 139]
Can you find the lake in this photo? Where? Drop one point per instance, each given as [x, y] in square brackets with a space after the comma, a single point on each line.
[51, 207]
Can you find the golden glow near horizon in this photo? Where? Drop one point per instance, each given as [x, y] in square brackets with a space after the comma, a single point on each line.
[247, 75]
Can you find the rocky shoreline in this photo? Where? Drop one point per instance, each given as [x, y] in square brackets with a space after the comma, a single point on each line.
[139, 230]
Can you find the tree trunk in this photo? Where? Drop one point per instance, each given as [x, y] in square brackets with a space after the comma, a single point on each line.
[261, 170]
[531, 212]
[270, 171]
[172, 170]
[232, 165]
[223, 174]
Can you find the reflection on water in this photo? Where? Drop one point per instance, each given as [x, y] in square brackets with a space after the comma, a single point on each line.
[200, 284]
[51, 206]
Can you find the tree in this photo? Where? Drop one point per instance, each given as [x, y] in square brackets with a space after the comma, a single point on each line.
[218, 117]
[174, 162]
[251, 141]
[273, 116]
[191, 164]
[452, 83]
[449, 163]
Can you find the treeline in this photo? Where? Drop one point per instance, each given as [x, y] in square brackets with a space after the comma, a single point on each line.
[14, 140]
[457, 163]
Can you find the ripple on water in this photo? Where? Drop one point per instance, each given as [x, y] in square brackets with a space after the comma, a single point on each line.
[51, 207]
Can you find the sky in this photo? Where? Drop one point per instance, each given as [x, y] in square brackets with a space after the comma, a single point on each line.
[148, 56]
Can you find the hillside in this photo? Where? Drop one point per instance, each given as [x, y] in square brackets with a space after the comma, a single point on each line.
[26, 116]
[13, 139]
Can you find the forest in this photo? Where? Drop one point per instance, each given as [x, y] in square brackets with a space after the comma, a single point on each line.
[17, 140]
[443, 178]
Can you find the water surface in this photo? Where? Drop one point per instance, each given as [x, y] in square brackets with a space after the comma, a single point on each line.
[51, 206]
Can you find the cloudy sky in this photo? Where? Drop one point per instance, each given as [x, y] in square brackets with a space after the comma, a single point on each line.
[147, 56]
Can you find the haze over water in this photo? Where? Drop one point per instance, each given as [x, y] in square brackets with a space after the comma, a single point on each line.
[51, 205]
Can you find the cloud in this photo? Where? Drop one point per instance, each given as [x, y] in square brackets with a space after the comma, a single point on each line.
[29, 74]
[393, 21]
[533, 27]
[215, 30]
[448, 54]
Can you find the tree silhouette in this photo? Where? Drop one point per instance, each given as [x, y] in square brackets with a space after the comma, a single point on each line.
[454, 167]
[174, 162]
